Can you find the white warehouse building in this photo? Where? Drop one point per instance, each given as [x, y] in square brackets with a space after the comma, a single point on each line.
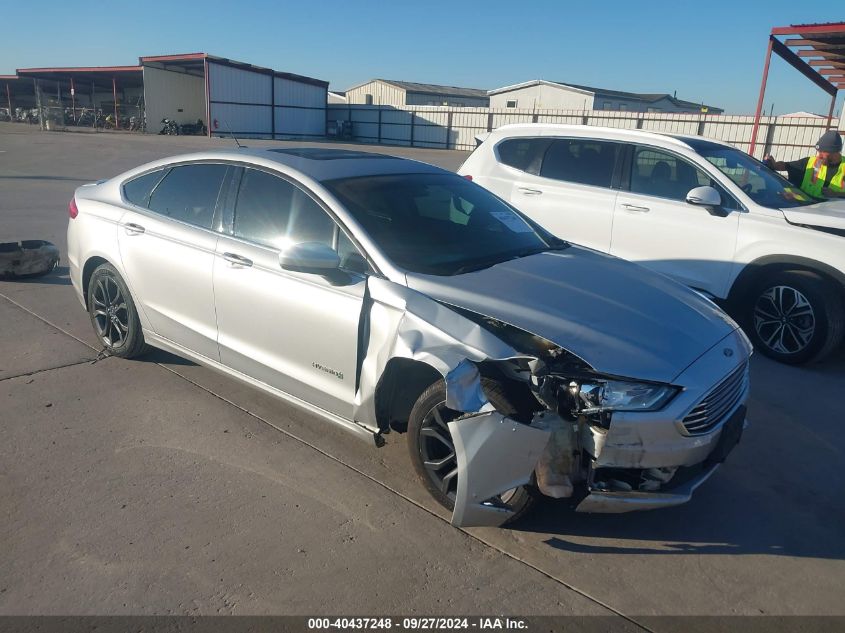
[407, 93]
[232, 97]
[540, 94]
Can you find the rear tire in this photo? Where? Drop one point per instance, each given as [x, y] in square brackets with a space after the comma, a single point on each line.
[795, 316]
[113, 314]
[430, 443]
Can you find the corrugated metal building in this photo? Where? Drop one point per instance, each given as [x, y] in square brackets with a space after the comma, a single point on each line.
[223, 94]
[540, 94]
[233, 97]
[405, 93]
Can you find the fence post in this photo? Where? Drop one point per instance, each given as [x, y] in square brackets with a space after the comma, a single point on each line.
[585, 120]
[701, 123]
[379, 125]
[412, 128]
[770, 137]
[490, 121]
[38, 104]
[640, 121]
[448, 128]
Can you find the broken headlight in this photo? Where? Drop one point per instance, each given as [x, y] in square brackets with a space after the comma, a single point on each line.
[620, 395]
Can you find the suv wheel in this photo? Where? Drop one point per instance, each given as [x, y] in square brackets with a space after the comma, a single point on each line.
[433, 453]
[795, 317]
[113, 314]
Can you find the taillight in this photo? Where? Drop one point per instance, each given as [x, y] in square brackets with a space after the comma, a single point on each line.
[72, 209]
[468, 177]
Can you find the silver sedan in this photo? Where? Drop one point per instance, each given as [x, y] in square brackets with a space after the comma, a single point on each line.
[386, 294]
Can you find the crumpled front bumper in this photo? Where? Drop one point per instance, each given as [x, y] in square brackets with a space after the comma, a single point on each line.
[609, 502]
[617, 502]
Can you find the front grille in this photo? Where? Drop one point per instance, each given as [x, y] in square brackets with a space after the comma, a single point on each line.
[712, 410]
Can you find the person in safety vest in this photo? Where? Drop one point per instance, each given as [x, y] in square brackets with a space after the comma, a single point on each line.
[820, 176]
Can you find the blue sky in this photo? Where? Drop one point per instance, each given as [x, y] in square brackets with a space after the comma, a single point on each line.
[710, 51]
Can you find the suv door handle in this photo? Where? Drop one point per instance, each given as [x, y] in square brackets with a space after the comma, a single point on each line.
[133, 229]
[237, 260]
[529, 192]
[633, 207]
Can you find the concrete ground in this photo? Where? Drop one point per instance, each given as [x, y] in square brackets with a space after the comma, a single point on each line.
[157, 486]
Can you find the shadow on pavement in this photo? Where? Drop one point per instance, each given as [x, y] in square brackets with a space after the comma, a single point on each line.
[165, 358]
[59, 276]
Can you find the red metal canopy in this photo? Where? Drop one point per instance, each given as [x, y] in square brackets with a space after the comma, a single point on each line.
[823, 45]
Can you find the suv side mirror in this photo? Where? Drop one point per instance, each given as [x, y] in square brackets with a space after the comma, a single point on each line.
[709, 198]
[310, 257]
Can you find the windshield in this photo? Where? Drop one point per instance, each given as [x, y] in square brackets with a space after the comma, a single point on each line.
[764, 186]
[439, 224]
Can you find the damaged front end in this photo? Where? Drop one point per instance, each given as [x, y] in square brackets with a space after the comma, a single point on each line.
[617, 444]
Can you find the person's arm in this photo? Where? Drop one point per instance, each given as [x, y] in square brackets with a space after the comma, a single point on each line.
[771, 163]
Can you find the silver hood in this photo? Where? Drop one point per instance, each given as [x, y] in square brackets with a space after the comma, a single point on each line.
[619, 317]
[830, 214]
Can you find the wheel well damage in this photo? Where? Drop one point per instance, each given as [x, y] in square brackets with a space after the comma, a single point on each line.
[409, 341]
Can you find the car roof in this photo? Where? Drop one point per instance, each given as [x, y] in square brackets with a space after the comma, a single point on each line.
[610, 133]
[321, 163]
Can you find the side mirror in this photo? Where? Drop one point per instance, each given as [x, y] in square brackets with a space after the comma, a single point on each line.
[309, 257]
[708, 198]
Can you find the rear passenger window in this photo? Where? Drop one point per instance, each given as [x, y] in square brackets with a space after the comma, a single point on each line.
[583, 161]
[525, 154]
[274, 212]
[189, 193]
[138, 190]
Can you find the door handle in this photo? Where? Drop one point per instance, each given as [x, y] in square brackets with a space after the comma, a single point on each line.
[237, 260]
[133, 229]
[635, 208]
[529, 192]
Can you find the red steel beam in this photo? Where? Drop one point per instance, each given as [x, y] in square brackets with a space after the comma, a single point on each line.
[82, 69]
[833, 28]
[834, 55]
[114, 92]
[820, 44]
[761, 97]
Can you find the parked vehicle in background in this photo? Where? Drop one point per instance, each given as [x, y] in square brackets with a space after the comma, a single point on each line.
[169, 127]
[697, 210]
[386, 294]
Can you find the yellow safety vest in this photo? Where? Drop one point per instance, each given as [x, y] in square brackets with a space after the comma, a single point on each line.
[813, 182]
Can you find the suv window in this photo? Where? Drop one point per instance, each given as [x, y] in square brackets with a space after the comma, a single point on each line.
[583, 161]
[189, 193]
[525, 154]
[665, 175]
[276, 213]
[138, 190]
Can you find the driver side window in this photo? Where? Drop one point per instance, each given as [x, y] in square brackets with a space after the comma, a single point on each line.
[665, 175]
[274, 212]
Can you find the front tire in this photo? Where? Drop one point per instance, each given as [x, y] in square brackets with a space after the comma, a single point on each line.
[433, 452]
[113, 314]
[795, 317]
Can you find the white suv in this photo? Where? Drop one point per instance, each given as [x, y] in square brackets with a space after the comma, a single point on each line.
[697, 210]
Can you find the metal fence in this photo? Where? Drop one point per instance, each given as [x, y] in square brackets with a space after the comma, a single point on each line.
[787, 138]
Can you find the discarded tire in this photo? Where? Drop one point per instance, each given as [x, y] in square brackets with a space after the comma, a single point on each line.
[28, 258]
